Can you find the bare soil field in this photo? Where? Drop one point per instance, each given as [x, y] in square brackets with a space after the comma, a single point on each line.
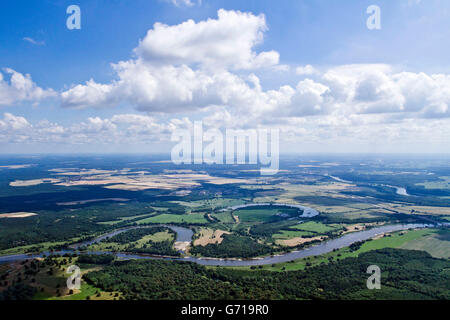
[208, 236]
[17, 215]
[299, 240]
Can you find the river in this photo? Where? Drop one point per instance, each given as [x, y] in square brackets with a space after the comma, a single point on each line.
[307, 212]
[185, 234]
[399, 190]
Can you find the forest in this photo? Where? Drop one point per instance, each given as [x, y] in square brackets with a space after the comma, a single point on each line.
[233, 246]
[406, 274]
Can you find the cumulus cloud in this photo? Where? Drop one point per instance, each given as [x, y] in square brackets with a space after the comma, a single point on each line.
[224, 42]
[20, 88]
[209, 69]
[306, 70]
[188, 65]
[91, 94]
[141, 130]
[378, 89]
[208, 65]
[12, 122]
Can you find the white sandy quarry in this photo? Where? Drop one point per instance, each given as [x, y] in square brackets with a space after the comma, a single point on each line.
[181, 245]
[17, 215]
[17, 166]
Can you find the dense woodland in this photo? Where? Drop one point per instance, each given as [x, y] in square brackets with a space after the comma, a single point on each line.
[137, 234]
[163, 248]
[101, 259]
[405, 275]
[18, 292]
[233, 246]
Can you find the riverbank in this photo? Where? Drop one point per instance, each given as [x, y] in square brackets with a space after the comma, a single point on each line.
[319, 249]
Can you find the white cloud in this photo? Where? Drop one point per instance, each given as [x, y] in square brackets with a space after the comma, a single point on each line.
[206, 69]
[379, 89]
[333, 130]
[186, 66]
[20, 88]
[35, 42]
[193, 66]
[224, 42]
[121, 128]
[309, 98]
[365, 88]
[306, 70]
[187, 3]
[90, 94]
[12, 122]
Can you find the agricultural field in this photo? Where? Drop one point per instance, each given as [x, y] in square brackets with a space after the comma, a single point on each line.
[435, 243]
[224, 150]
[194, 218]
[315, 227]
[128, 242]
[86, 203]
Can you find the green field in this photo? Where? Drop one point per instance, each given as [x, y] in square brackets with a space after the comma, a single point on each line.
[224, 217]
[437, 244]
[287, 234]
[175, 218]
[443, 183]
[122, 219]
[315, 227]
[397, 240]
[113, 246]
[44, 246]
[85, 291]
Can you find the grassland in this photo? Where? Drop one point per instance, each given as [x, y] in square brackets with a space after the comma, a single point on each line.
[436, 243]
[117, 247]
[195, 218]
[124, 219]
[443, 183]
[316, 227]
[395, 240]
[40, 247]
[305, 230]
[224, 217]
[288, 234]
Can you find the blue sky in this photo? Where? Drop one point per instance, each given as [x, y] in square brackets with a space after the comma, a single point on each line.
[322, 32]
[325, 34]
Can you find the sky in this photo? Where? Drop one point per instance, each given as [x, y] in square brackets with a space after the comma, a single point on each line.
[138, 70]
